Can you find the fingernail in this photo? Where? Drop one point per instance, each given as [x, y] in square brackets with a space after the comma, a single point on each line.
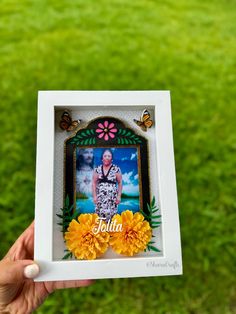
[31, 271]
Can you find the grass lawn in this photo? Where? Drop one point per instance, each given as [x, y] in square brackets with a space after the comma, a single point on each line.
[186, 46]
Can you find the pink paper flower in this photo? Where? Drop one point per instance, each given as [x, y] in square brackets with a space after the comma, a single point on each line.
[106, 130]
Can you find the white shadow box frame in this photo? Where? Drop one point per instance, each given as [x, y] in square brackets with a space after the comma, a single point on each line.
[87, 106]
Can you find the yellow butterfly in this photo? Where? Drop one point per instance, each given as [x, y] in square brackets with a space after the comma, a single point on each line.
[145, 121]
[66, 122]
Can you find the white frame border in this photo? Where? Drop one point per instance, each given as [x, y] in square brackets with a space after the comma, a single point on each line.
[171, 262]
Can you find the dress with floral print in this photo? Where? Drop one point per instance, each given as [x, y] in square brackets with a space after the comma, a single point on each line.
[106, 191]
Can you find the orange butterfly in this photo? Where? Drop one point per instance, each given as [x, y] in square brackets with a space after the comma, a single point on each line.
[145, 121]
[66, 122]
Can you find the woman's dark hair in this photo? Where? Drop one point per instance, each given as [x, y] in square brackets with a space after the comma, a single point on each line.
[107, 150]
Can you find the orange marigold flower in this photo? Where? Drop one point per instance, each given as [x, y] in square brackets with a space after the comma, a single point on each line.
[135, 234]
[81, 239]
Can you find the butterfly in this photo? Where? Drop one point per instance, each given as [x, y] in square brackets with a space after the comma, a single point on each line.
[66, 122]
[145, 121]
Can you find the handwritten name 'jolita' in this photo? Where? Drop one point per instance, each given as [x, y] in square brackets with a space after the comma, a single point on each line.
[111, 226]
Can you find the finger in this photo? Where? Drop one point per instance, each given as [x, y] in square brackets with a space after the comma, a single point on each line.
[24, 246]
[73, 284]
[13, 275]
[12, 272]
[28, 231]
[54, 285]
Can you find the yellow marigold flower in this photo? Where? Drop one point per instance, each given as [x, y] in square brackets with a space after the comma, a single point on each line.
[81, 239]
[135, 234]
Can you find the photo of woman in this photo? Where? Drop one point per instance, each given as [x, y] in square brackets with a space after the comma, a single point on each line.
[107, 186]
[107, 180]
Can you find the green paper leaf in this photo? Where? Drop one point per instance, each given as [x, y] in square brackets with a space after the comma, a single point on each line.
[75, 215]
[67, 201]
[153, 202]
[153, 248]
[145, 215]
[60, 216]
[149, 208]
[156, 217]
[123, 132]
[156, 222]
[67, 219]
[67, 255]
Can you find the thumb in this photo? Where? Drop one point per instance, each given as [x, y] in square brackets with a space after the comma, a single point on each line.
[16, 271]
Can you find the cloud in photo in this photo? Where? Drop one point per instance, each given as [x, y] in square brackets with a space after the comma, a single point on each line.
[131, 189]
[126, 177]
[124, 158]
[133, 156]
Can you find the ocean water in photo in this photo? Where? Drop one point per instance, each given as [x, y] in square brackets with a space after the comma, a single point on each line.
[87, 206]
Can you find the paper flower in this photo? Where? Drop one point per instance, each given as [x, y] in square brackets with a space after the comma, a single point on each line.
[106, 130]
[81, 239]
[135, 234]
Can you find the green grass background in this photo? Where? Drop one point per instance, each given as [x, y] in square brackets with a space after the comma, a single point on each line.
[186, 46]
